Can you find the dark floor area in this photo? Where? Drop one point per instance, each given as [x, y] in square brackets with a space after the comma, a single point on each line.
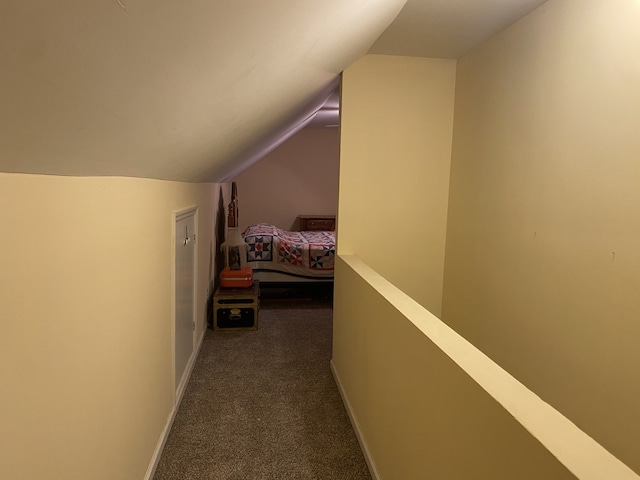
[263, 404]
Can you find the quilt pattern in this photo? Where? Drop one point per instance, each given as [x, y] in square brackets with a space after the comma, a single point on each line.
[260, 248]
[290, 254]
[322, 257]
[313, 251]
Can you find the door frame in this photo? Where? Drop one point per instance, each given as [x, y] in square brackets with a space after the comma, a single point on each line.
[180, 385]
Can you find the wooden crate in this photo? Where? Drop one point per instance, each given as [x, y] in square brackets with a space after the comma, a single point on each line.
[236, 308]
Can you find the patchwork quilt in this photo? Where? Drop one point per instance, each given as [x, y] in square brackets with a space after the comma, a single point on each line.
[303, 253]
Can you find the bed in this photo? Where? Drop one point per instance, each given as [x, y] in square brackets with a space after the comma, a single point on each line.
[278, 255]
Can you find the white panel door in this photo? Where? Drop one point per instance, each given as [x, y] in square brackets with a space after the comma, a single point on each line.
[185, 265]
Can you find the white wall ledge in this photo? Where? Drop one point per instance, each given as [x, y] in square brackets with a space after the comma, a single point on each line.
[577, 451]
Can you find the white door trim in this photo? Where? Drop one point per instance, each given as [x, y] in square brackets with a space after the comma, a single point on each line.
[178, 216]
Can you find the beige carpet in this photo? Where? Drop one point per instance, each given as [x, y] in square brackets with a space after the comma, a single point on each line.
[263, 405]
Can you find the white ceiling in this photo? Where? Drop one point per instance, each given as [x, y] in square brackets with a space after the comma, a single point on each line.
[448, 28]
[195, 90]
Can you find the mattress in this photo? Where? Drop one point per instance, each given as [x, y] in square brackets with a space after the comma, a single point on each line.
[308, 253]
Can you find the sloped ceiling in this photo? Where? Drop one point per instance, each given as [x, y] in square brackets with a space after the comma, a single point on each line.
[195, 90]
[448, 28]
[166, 89]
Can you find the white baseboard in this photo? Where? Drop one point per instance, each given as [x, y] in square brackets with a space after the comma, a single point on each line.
[356, 426]
[155, 458]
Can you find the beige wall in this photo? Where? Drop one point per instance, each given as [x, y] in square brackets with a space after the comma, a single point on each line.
[298, 177]
[397, 119]
[542, 264]
[86, 321]
[420, 416]
[543, 253]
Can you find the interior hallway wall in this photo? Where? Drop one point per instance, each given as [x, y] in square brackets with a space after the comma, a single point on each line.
[418, 414]
[300, 177]
[394, 186]
[542, 267]
[86, 322]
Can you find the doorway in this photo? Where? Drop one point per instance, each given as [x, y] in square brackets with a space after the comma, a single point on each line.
[185, 287]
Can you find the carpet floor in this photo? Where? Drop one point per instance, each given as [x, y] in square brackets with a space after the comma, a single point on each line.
[263, 404]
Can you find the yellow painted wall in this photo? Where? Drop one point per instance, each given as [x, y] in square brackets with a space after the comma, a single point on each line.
[419, 415]
[300, 177]
[86, 362]
[396, 129]
[542, 265]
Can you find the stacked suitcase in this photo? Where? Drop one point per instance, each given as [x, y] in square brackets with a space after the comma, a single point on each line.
[236, 302]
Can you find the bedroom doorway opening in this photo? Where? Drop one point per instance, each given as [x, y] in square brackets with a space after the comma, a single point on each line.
[292, 192]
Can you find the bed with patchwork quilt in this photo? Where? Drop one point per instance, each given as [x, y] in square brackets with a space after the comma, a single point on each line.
[307, 254]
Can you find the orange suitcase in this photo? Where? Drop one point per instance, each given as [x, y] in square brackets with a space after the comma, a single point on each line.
[241, 278]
